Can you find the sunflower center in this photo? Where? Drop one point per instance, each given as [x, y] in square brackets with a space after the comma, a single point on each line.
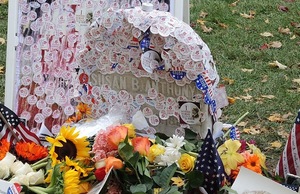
[253, 163]
[68, 149]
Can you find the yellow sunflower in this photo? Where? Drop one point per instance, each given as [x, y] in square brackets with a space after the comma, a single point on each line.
[68, 143]
[71, 181]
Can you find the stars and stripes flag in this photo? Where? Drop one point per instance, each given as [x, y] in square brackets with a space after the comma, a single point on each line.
[210, 164]
[20, 130]
[289, 161]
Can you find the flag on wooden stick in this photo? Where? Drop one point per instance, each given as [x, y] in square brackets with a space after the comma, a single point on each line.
[13, 129]
[289, 161]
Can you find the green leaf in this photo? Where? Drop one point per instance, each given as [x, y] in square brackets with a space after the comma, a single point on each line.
[140, 188]
[189, 146]
[166, 175]
[140, 168]
[170, 190]
[134, 159]
[161, 136]
[195, 179]
[190, 135]
[125, 150]
[228, 189]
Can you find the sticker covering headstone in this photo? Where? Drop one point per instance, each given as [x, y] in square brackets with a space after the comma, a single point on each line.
[51, 33]
[153, 62]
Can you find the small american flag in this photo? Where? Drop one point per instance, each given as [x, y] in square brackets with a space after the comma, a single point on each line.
[18, 127]
[210, 164]
[290, 159]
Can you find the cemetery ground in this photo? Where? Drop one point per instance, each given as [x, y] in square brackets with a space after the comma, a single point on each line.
[256, 47]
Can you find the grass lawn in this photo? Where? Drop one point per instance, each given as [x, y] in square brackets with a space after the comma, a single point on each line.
[237, 36]
[243, 63]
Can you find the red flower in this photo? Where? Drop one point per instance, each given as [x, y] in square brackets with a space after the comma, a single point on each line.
[100, 173]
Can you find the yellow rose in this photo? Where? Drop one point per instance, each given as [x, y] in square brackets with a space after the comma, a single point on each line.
[186, 163]
[131, 130]
[155, 150]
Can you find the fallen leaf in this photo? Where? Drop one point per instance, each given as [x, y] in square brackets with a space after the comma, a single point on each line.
[266, 34]
[228, 80]
[264, 47]
[247, 70]
[281, 132]
[276, 117]
[264, 79]
[246, 98]
[201, 22]
[275, 44]
[222, 25]
[296, 81]
[276, 144]
[277, 64]
[295, 24]
[203, 14]
[268, 96]
[283, 8]
[242, 124]
[206, 29]
[2, 41]
[293, 37]
[231, 100]
[1, 69]
[248, 16]
[285, 116]
[247, 90]
[252, 130]
[234, 4]
[284, 30]
[267, 21]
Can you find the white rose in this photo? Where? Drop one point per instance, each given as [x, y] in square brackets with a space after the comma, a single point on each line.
[36, 178]
[4, 171]
[22, 179]
[16, 166]
[25, 169]
[8, 160]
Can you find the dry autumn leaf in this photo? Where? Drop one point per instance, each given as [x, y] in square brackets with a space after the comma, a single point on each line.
[282, 133]
[267, 21]
[201, 22]
[264, 78]
[248, 16]
[283, 8]
[268, 96]
[296, 81]
[203, 14]
[222, 25]
[266, 34]
[252, 130]
[206, 29]
[247, 70]
[264, 47]
[231, 100]
[1, 70]
[2, 41]
[293, 37]
[276, 144]
[275, 44]
[227, 80]
[234, 4]
[277, 64]
[242, 124]
[276, 117]
[246, 98]
[284, 30]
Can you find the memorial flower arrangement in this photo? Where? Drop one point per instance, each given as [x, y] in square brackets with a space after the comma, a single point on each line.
[118, 159]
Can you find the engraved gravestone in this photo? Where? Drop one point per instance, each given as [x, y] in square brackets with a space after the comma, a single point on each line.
[150, 61]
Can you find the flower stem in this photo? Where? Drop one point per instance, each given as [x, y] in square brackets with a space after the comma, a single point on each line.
[237, 122]
[42, 190]
[38, 166]
[40, 161]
